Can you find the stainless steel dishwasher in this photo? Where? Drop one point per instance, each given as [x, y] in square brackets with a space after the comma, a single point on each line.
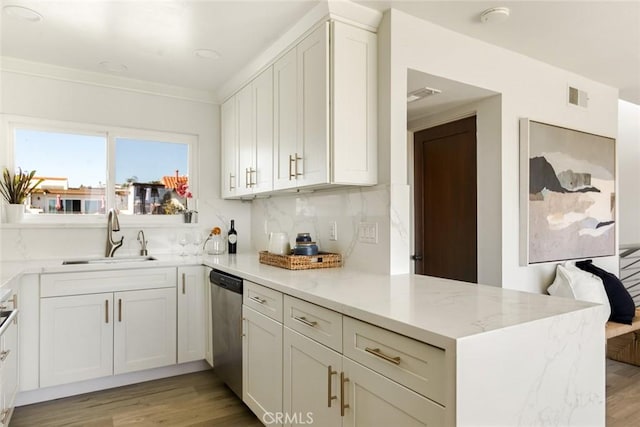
[226, 305]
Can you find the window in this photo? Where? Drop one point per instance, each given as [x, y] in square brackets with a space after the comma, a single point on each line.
[86, 169]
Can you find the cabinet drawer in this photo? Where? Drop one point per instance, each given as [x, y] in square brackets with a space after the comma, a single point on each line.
[414, 364]
[94, 282]
[263, 300]
[318, 323]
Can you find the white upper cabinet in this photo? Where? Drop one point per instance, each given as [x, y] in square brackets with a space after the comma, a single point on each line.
[323, 110]
[254, 105]
[229, 176]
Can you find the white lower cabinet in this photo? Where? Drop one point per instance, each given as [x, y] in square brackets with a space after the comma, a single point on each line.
[86, 336]
[8, 370]
[192, 313]
[336, 370]
[145, 330]
[375, 401]
[76, 338]
[311, 382]
[262, 365]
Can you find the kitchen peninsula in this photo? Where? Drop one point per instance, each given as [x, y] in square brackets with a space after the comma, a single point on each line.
[507, 357]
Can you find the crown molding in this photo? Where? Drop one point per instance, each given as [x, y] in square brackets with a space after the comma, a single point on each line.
[55, 72]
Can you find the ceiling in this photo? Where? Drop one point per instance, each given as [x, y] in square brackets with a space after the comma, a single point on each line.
[156, 40]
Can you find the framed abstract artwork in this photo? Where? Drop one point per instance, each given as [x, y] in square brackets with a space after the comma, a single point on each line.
[567, 194]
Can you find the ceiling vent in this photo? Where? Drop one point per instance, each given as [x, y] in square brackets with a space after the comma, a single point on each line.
[423, 92]
[578, 97]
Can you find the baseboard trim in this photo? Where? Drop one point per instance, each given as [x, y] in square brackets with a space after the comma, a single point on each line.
[66, 390]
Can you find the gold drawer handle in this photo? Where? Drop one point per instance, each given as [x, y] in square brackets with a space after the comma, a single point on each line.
[343, 405]
[304, 320]
[4, 355]
[377, 352]
[258, 300]
[330, 372]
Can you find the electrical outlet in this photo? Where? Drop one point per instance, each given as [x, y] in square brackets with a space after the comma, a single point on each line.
[368, 232]
[333, 231]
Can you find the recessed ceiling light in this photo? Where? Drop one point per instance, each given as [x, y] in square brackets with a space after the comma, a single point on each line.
[423, 92]
[206, 53]
[23, 13]
[495, 15]
[113, 67]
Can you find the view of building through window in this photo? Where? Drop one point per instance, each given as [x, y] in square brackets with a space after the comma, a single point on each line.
[74, 170]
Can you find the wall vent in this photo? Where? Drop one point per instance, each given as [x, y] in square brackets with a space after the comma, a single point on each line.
[578, 97]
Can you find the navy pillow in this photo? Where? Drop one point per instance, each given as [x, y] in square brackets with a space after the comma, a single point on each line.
[622, 306]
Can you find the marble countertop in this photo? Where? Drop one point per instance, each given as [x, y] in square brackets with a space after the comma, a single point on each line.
[425, 308]
[429, 309]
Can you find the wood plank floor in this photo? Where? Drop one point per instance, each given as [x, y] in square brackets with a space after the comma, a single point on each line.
[201, 399]
[198, 399]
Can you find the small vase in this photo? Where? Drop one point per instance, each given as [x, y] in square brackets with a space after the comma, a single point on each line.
[14, 213]
[188, 216]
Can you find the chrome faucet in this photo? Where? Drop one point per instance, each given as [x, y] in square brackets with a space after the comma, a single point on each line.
[143, 243]
[112, 225]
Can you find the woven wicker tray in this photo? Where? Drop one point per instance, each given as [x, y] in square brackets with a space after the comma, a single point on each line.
[302, 262]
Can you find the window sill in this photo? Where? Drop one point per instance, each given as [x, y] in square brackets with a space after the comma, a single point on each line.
[97, 221]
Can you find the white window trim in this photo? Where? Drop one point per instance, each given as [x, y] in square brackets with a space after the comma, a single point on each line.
[111, 133]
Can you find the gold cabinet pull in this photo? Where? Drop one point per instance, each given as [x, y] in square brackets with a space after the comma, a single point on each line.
[106, 311]
[184, 280]
[258, 300]
[247, 178]
[4, 355]
[231, 177]
[377, 352]
[343, 381]
[253, 172]
[291, 160]
[296, 166]
[119, 309]
[330, 372]
[304, 320]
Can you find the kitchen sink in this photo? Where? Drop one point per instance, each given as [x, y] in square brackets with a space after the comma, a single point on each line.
[108, 260]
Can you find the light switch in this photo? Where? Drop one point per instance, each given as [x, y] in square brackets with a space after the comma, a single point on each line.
[368, 232]
[333, 231]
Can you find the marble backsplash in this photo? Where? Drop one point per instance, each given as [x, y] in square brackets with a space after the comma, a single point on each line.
[313, 212]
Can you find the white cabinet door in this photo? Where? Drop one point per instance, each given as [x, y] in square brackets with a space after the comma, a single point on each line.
[8, 370]
[311, 381]
[229, 141]
[144, 329]
[192, 304]
[209, 320]
[246, 139]
[76, 338]
[261, 363]
[376, 401]
[354, 105]
[312, 166]
[261, 176]
[285, 114]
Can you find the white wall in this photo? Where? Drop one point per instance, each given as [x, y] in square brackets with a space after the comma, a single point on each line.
[48, 98]
[529, 88]
[628, 151]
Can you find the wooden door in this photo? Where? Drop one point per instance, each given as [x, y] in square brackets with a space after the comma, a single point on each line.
[311, 380]
[144, 329]
[446, 201]
[76, 338]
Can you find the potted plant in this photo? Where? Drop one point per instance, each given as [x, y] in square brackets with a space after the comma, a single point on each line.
[184, 192]
[15, 189]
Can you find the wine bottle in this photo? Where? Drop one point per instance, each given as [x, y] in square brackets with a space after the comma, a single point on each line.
[232, 238]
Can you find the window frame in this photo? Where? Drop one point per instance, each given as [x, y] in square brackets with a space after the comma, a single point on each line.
[111, 134]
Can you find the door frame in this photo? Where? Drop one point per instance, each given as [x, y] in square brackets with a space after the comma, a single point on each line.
[466, 113]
